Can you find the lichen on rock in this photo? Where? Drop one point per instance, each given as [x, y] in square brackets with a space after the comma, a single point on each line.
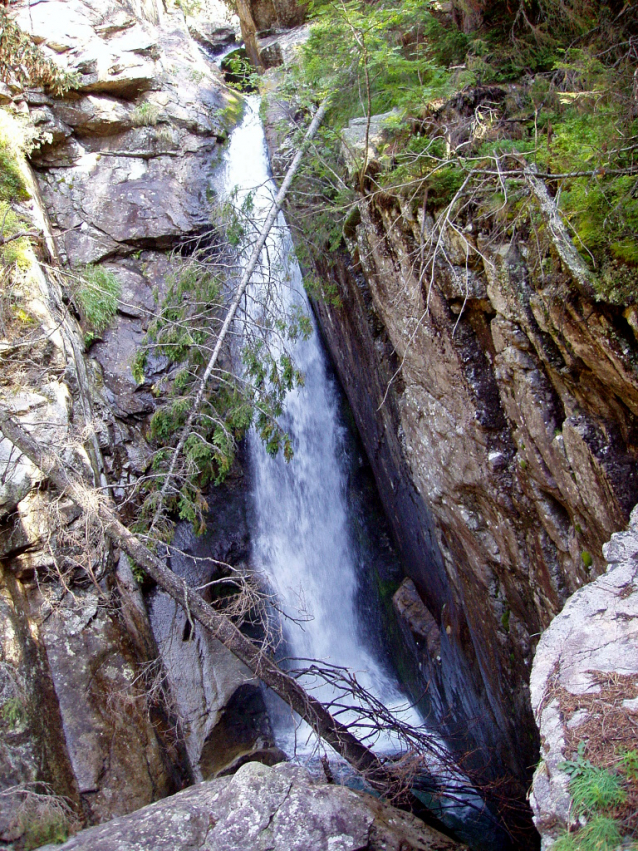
[584, 683]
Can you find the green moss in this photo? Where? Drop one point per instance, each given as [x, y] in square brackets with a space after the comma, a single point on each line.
[505, 619]
[18, 251]
[587, 559]
[573, 122]
[230, 114]
[48, 827]
[13, 712]
[12, 185]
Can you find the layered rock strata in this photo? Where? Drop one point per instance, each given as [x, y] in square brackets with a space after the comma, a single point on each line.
[497, 403]
[122, 177]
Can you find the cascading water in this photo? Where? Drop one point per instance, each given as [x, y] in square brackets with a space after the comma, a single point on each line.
[301, 537]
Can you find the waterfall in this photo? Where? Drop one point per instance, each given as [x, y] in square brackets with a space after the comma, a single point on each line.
[302, 539]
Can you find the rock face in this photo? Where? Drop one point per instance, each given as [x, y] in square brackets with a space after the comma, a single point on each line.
[259, 18]
[123, 177]
[497, 405]
[265, 809]
[74, 710]
[584, 680]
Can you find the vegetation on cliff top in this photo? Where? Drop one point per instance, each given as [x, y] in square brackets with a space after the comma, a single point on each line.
[543, 89]
[22, 62]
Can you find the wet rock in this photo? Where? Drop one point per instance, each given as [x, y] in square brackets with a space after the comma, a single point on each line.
[241, 735]
[259, 808]
[497, 407]
[593, 642]
[410, 607]
[210, 686]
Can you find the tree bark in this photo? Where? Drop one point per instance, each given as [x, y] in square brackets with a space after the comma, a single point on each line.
[219, 626]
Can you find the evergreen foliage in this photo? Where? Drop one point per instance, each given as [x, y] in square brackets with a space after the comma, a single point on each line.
[98, 295]
[596, 794]
[545, 87]
[248, 388]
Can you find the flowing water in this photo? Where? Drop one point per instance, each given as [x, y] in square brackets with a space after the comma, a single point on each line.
[302, 539]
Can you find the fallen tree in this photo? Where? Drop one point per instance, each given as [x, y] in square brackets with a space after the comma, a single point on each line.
[247, 274]
[97, 507]
[400, 778]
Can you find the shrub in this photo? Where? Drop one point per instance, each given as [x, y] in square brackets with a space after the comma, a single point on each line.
[16, 140]
[98, 295]
[146, 115]
[13, 712]
[594, 788]
[595, 792]
[600, 834]
[24, 61]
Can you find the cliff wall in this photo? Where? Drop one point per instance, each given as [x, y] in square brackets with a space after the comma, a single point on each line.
[92, 702]
[497, 403]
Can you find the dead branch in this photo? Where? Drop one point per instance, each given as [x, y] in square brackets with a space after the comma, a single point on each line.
[220, 627]
[558, 233]
[241, 288]
[23, 234]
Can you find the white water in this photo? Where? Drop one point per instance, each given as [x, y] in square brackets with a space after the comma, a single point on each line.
[302, 540]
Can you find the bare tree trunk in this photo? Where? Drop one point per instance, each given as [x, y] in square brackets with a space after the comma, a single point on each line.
[245, 280]
[219, 626]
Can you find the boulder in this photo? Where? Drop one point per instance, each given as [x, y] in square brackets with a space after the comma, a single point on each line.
[353, 139]
[94, 115]
[264, 809]
[589, 653]
[212, 36]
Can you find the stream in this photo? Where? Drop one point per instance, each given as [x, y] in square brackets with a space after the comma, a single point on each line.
[302, 536]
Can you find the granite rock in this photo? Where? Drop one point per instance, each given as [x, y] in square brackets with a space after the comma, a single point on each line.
[265, 809]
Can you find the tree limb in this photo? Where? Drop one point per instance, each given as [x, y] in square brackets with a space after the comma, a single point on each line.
[220, 627]
[560, 237]
[245, 280]
[20, 235]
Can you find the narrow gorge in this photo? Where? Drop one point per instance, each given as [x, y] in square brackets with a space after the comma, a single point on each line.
[412, 473]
